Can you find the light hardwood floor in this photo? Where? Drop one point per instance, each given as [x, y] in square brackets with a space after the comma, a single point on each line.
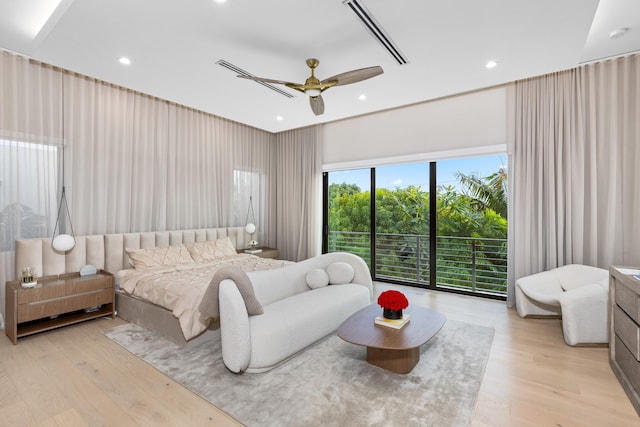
[76, 377]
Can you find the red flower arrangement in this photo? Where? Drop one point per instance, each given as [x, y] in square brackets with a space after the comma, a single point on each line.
[393, 300]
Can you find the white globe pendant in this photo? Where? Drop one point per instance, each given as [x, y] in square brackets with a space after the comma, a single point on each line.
[250, 228]
[63, 242]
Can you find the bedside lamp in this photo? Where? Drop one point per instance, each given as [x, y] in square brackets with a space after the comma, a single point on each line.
[63, 242]
[250, 227]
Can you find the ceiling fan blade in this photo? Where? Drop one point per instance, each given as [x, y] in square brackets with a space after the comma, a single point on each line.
[260, 79]
[354, 76]
[317, 104]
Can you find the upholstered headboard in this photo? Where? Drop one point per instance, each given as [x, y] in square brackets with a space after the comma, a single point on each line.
[107, 251]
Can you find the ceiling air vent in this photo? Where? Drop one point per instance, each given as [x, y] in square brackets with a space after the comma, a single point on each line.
[240, 71]
[376, 30]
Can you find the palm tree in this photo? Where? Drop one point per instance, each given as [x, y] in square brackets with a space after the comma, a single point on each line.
[489, 192]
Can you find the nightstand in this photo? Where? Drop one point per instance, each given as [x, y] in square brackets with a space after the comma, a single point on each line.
[265, 252]
[57, 301]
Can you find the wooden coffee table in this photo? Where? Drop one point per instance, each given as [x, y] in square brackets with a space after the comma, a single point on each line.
[396, 350]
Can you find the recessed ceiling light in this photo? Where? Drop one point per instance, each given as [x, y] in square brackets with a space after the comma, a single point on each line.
[362, 97]
[491, 64]
[616, 34]
[221, 1]
[124, 60]
[279, 118]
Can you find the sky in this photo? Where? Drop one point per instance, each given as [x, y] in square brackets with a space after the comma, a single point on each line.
[418, 173]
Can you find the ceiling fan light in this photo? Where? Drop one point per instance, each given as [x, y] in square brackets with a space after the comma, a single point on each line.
[312, 92]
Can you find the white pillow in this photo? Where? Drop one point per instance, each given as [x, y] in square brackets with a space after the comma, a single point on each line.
[212, 249]
[317, 278]
[340, 273]
[142, 259]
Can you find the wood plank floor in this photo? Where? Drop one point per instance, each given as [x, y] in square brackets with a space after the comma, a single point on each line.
[76, 377]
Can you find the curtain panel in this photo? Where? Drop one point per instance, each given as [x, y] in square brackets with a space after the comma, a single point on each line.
[575, 193]
[299, 197]
[133, 162]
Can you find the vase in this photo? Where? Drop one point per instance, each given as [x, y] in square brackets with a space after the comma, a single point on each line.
[387, 313]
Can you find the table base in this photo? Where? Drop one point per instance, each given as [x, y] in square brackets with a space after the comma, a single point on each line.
[398, 361]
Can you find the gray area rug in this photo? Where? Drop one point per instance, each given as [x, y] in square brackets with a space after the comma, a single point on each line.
[330, 383]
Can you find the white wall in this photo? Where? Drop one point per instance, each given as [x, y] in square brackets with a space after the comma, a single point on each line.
[467, 122]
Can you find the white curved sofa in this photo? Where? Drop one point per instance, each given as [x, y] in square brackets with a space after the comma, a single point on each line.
[578, 293]
[295, 316]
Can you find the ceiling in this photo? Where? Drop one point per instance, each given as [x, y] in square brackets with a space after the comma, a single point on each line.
[174, 47]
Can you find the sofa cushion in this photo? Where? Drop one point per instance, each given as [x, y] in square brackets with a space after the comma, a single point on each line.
[317, 278]
[340, 273]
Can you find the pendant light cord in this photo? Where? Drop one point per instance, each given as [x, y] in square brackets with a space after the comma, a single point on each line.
[63, 195]
[250, 211]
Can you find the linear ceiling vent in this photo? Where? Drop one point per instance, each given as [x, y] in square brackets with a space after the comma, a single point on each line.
[238, 70]
[376, 30]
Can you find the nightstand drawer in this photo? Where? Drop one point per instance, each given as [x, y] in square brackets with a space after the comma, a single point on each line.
[46, 308]
[62, 288]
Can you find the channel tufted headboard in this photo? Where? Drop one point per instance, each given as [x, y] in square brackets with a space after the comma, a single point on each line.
[107, 251]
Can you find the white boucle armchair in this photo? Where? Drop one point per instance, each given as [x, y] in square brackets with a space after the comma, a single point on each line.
[577, 293]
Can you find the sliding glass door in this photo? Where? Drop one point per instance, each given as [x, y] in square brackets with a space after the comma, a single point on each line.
[471, 236]
[402, 223]
[347, 223]
[460, 245]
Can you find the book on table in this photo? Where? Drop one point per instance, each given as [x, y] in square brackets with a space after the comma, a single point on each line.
[392, 323]
[252, 251]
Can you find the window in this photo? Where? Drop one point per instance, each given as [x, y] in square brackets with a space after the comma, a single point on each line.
[28, 191]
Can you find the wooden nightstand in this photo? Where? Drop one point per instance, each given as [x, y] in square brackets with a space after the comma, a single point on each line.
[266, 252]
[57, 301]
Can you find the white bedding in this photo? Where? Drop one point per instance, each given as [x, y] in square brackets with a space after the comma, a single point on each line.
[180, 288]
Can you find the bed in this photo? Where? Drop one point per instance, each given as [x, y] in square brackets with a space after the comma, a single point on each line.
[172, 271]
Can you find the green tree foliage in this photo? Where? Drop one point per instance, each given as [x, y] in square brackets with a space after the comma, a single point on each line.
[489, 192]
[349, 208]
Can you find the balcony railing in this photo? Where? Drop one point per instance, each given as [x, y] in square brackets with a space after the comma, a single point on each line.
[477, 265]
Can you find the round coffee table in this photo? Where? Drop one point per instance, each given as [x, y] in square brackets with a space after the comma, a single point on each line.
[396, 350]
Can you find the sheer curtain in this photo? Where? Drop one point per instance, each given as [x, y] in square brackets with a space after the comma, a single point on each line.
[133, 162]
[30, 138]
[575, 173]
[299, 184]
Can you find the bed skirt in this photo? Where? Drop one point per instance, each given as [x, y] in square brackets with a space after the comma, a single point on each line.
[159, 320]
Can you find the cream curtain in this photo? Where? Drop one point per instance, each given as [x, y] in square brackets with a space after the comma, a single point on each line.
[133, 162]
[299, 192]
[138, 163]
[575, 173]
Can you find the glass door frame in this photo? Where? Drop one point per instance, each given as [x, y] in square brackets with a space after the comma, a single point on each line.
[433, 228]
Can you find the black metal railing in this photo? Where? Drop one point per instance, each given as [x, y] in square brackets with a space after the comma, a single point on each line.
[477, 265]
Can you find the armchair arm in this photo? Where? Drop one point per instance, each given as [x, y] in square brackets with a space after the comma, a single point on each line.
[234, 327]
[584, 314]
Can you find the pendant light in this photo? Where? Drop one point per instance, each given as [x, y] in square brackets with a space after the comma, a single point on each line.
[250, 227]
[63, 242]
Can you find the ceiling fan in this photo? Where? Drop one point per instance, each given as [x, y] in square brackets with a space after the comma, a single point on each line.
[314, 87]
